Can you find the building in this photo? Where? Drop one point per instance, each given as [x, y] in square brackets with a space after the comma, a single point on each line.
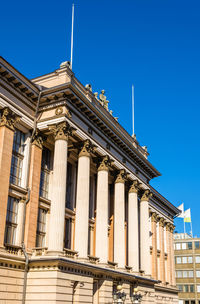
[79, 221]
[187, 265]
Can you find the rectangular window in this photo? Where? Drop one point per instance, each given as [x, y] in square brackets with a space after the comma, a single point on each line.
[198, 288]
[17, 158]
[41, 228]
[45, 172]
[180, 288]
[191, 288]
[178, 260]
[11, 221]
[183, 245]
[68, 227]
[197, 245]
[184, 260]
[178, 246]
[190, 260]
[190, 274]
[186, 288]
[197, 259]
[189, 245]
[179, 274]
[185, 274]
[198, 273]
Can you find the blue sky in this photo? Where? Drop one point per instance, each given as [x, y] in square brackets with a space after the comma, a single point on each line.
[153, 44]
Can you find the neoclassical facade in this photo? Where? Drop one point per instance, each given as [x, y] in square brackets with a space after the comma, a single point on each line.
[78, 217]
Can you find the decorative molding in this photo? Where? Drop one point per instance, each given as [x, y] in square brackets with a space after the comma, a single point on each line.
[105, 164]
[172, 227]
[146, 195]
[162, 222]
[154, 217]
[61, 131]
[135, 186]
[38, 139]
[168, 226]
[87, 148]
[122, 176]
[8, 118]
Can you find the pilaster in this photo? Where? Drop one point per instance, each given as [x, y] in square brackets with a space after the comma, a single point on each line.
[8, 121]
[154, 220]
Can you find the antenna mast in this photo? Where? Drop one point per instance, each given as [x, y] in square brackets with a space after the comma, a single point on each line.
[133, 109]
[72, 36]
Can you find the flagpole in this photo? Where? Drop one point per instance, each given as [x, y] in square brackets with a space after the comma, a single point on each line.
[133, 109]
[184, 227]
[191, 228]
[72, 36]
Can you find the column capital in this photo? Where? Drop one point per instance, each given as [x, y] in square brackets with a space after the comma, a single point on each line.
[146, 195]
[172, 227]
[61, 130]
[86, 148]
[134, 186]
[168, 226]
[38, 139]
[162, 222]
[105, 163]
[154, 217]
[8, 118]
[121, 177]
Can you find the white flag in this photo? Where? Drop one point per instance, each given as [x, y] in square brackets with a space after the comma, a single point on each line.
[187, 216]
[181, 208]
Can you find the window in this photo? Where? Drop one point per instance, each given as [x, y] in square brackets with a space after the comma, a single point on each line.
[190, 274]
[184, 260]
[197, 259]
[191, 288]
[198, 273]
[180, 302]
[41, 228]
[192, 302]
[70, 191]
[198, 288]
[17, 158]
[68, 225]
[197, 245]
[186, 302]
[186, 288]
[11, 221]
[185, 274]
[190, 260]
[45, 172]
[180, 287]
[189, 245]
[178, 260]
[178, 246]
[179, 274]
[183, 245]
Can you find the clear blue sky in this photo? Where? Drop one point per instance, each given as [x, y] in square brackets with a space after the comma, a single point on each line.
[153, 44]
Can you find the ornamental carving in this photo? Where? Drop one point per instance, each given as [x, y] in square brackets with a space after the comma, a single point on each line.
[162, 222]
[172, 227]
[134, 187]
[154, 217]
[105, 164]
[38, 139]
[168, 227]
[8, 118]
[87, 148]
[61, 130]
[121, 177]
[146, 195]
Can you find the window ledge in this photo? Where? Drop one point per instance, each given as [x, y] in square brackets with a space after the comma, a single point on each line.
[13, 249]
[45, 200]
[93, 259]
[19, 190]
[39, 251]
[70, 253]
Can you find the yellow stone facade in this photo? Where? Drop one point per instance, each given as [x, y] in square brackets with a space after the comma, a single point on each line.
[78, 217]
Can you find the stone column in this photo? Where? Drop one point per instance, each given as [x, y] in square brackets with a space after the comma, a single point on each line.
[173, 281]
[7, 122]
[144, 233]
[168, 241]
[133, 233]
[82, 200]
[154, 267]
[162, 250]
[34, 185]
[119, 218]
[57, 216]
[101, 240]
